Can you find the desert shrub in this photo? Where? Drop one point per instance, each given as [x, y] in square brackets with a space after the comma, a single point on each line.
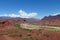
[13, 35]
[24, 20]
[27, 30]
[17, 25]
[30, 30]
[28, 34]
[36, 39]
[25, 39]
[46, 35]
[1, 34]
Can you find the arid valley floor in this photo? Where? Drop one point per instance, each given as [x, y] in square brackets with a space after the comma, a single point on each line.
[30, 29]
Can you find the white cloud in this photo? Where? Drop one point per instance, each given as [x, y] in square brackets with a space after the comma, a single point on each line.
[10, 15]
[55, 14]
[22, 14]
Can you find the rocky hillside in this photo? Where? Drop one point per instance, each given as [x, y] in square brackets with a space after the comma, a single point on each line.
[7, 21]
[47, 20]
[51, 20]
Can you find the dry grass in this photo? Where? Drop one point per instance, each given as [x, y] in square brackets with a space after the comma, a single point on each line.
[31, 27]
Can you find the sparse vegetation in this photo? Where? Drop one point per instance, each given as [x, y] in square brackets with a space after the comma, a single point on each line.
[25, 39]
[28, 34]
[15, 35]
[36, 39]
[17, 25]
[46, 35]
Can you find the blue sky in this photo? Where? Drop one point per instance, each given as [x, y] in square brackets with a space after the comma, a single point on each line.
[41, 7]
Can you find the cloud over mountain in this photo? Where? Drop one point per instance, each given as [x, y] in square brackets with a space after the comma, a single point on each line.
[22, 14]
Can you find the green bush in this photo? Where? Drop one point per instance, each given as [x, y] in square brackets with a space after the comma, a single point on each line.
[25, 39]
[13, 35]
[17, 25]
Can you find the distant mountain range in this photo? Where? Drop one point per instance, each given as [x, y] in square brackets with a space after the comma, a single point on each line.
[47, 20]
[6, 21]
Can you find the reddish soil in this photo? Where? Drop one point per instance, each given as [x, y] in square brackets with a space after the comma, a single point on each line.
[6, 28]
[40, 34]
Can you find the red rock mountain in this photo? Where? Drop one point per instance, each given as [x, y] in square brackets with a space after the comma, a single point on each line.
[47, 20]
[51, 20]
[7, 21]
